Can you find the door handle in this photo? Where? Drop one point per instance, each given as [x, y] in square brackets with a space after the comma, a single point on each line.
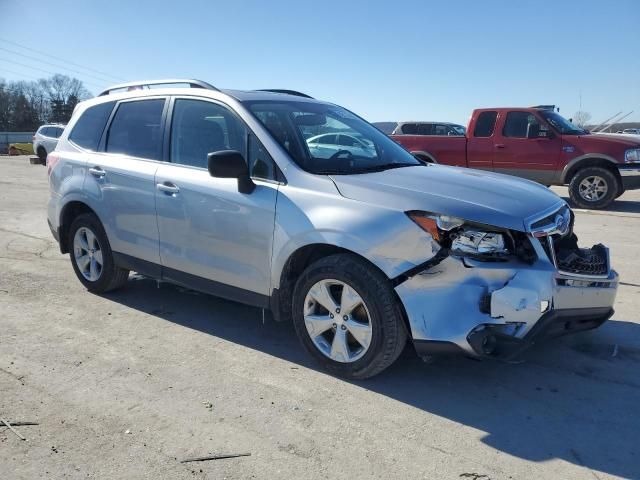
[499, 145]
[168, 188]
[97, 172]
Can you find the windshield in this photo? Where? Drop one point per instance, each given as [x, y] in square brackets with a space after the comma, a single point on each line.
[564, 126]
[327, 139]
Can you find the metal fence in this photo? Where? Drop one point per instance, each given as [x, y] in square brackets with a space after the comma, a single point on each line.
[14, 137]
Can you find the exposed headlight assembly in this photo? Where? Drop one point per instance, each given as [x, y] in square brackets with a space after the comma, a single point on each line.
[478, 243]
[461, 238]
[632, 155]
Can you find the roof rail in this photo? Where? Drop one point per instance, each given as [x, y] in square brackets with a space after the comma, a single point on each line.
[146, 83]
[288, 92]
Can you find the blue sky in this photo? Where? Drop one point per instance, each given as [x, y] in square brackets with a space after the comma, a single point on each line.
[385, 60]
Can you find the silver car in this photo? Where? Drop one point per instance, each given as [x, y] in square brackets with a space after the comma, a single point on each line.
[46, 139]
[218, 191]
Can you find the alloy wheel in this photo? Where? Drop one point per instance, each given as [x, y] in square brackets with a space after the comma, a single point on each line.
[88, 254]
[337, 320]
[593, 188]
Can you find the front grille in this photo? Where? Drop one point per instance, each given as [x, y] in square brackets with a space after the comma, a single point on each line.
[583, 261]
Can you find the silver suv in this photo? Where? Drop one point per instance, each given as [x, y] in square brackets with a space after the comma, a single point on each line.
[219, 191]
[46, 139]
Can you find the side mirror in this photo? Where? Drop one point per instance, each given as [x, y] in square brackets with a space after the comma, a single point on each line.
[231, 164]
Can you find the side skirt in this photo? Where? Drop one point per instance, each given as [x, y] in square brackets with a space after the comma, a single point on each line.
[193, 282]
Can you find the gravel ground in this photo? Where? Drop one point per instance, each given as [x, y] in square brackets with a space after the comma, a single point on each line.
[127, 384]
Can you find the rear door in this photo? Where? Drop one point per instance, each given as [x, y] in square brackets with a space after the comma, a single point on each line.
[213, 237]
[532, 158]
[120, 177]
[480, 142]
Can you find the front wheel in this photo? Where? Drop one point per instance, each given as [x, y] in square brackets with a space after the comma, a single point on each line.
[347, 317]
[594, 188]
[91, 255]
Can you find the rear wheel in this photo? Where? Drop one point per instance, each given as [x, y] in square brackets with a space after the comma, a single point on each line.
[42, 155]
[347, 317]
[91, 255]
[594, 187]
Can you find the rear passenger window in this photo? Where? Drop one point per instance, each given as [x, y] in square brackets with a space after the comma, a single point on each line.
[517, 124]
[485, 124]
[46, 131]
[136, 129]
[199, 128]
[88, 129]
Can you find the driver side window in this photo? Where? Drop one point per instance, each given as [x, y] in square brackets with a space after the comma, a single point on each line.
[199, 128]
[517, 124]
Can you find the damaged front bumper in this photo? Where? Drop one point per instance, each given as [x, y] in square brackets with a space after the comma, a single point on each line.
[480, 308]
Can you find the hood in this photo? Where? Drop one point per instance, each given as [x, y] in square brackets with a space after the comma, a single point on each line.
[475, 195]
[604, 139]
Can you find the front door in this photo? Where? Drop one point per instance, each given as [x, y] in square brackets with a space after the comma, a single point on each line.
[532, 158]
[213, 237]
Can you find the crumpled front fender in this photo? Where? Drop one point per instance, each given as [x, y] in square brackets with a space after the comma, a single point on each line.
[446, 302]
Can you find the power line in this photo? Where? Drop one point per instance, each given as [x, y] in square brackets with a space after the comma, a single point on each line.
[44, 71]
[62, 60]
[22, 55]
[30, 77]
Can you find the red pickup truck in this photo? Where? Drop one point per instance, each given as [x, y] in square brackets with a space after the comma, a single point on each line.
[539, 144]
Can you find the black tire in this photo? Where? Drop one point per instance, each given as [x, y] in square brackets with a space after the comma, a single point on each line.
[42, 155]
[388, 332]
[610, 180]
[111, 276]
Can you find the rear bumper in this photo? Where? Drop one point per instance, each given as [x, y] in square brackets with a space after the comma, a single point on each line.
[630, 175]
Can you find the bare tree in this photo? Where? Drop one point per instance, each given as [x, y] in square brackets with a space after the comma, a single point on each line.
[26, 105]
[64, 93]
[581, 118]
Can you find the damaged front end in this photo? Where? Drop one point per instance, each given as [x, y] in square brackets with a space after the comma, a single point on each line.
[494, 292]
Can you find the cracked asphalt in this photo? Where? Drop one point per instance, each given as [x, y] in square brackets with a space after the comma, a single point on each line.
[125, 385]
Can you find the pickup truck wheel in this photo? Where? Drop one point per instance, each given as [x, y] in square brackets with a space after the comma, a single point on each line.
[347, 317]
[91, 256]
[594, 187]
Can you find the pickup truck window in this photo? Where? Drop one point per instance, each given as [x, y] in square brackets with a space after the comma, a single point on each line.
[517, 124]
[485, 124]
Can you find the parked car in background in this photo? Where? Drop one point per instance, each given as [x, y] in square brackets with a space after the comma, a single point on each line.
[46, 139]
[220, 191]
[539, 144]
[429, 128]
[632, 131]
[330, 144]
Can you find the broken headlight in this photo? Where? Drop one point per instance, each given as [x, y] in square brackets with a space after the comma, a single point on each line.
[476, 242]
[469, 239]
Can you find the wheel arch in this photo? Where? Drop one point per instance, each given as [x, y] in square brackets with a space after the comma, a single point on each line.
[298, 261]
[589, 160]
[69, 212]
[424, 156]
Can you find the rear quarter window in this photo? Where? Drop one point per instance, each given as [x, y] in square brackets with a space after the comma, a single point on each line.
[88, 129]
